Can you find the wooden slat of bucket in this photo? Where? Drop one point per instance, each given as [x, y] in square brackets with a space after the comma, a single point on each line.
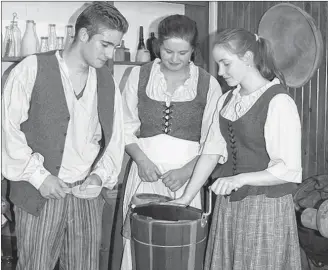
[163, 258]
[170, 234]
[184, 258]
[160, 245]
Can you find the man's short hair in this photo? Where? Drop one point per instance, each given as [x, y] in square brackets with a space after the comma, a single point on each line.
[101, 15]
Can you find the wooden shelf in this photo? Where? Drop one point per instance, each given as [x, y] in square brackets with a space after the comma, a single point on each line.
[11, 59]
[17, 59]
[190, 3]
[129, 63]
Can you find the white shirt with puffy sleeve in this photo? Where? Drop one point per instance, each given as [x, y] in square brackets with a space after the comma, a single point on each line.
[282, 131]
[20, 162]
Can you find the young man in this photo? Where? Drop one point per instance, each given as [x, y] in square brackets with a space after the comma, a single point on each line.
[63, 127]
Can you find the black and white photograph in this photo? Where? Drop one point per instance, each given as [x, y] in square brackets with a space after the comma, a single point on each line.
[164, 135]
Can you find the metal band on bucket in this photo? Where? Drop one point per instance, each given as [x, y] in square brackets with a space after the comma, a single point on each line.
[177, 246]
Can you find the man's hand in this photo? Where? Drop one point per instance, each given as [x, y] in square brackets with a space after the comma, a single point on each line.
[92, 179]
[175, 179]
[53, 188]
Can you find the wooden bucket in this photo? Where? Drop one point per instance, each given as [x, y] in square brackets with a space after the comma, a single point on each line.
[140, 199]
[168, 237]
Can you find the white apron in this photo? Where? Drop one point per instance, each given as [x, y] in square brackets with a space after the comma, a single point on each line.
[167, 153]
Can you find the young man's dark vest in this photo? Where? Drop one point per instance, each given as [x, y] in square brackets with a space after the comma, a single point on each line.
[247, 148]
[47, 123]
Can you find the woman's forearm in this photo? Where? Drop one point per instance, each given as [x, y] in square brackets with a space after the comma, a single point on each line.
[262, 178]
[190, 166]
[134, 151]
[203, 169]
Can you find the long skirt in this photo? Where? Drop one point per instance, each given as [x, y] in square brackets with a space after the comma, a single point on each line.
[167, 153]
[256, 233]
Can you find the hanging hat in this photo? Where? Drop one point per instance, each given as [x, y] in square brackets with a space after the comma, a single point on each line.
[296, 42]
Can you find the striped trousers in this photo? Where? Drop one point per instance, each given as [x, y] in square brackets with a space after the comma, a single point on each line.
[69, 229]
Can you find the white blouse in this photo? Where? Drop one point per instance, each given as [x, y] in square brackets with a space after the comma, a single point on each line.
[282, 131]
[157, 89]
[83, 131]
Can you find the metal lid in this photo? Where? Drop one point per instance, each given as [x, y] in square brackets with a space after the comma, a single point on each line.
[296, 42]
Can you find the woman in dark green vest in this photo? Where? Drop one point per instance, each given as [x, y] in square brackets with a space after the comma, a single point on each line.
[256, 137]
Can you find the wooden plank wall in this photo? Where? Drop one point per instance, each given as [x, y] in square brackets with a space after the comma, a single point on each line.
[312, 98]
[198, 11]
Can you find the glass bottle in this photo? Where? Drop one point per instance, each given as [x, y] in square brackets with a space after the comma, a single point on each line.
[7, 41]
[44, 44]
[37, 39]
[141, 44]
[126, 51]
[150, 45]
[69, 35]
[119, 52]
[127, 54]
[10, 45]
[60, 43]
[52, 37]
[29, 42]
[143, 54]
[16, 38]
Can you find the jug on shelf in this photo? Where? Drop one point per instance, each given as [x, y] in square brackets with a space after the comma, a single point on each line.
[69, 36]
[7, 48]
[37, 39]
[60, 43]
[12, 41]
[29, 43]
[52, 38]
[16, 38]
[44, 44]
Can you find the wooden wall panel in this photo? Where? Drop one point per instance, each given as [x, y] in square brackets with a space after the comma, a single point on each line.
[323, 93]
[312, 98]
[198, 11]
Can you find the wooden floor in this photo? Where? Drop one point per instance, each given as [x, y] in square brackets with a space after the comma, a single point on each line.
[8, 247]
[7, 264]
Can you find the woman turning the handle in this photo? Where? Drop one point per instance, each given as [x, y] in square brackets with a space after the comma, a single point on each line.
[256, 138]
